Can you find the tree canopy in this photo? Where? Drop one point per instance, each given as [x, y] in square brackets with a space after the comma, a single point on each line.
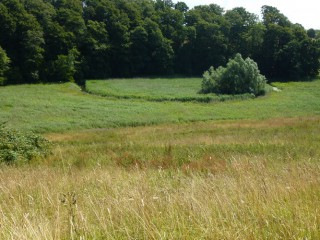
[70, 40]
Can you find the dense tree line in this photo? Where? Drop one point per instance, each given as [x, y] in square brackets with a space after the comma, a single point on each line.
[67, 40]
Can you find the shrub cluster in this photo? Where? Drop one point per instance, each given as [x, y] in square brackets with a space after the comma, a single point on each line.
[4, 65]
[238, 77]
[18, 147]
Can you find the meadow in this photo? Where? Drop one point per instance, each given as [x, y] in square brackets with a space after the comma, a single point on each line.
[137, 169]
[157, 89]
[64, 107]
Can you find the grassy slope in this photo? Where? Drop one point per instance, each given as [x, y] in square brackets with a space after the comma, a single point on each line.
[156, 89]
[229, 180]
[254, 174]
[186, 145]
[147, 88]
[47, 108]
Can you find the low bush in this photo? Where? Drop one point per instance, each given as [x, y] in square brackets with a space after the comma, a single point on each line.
[18, 147]
[4, 65]
[238, 77]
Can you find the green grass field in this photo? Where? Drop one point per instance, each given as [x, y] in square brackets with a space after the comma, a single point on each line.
[56, 108]
[147, 88]
[156, 89]
[138, 169]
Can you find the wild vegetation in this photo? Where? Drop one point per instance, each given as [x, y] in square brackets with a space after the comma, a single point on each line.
[247, 179]
[152, 158]
[238, 77]
[249, 171]
[4, 65]
[68, 40]
[17, 147]
[63, 107]
[157, 90]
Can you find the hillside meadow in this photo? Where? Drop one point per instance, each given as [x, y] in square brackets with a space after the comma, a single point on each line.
[157, 90]
[138, 169]
[64, 107]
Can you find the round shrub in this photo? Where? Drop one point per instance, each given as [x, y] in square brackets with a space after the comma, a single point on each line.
[238, 77]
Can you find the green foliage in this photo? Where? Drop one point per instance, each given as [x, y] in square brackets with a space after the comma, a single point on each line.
[4, 65]
[28, 37]
[65, 66]
[160, 52]
[239, 77]
[18, 147]
[243, 32]
[181, 6]
[272, 15]
[207, 43]
[119, 38]
[311, 33]
[96, 50]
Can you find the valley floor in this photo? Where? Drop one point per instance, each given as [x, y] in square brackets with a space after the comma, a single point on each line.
[235, 179]
[132, 168]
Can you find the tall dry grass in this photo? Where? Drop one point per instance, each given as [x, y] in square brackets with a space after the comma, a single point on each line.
[248, 201]
[227, 180]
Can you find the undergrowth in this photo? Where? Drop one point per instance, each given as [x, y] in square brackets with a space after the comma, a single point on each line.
[21, 147]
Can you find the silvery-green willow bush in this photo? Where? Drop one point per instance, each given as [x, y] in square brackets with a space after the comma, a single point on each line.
[238, 77]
